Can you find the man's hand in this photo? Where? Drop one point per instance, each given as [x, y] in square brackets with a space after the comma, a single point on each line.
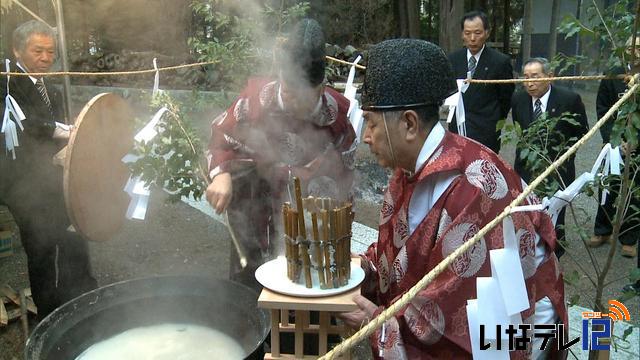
[359, 318]
[219, 192]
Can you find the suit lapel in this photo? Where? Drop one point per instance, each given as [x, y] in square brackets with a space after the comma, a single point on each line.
[483, 64]
[552, 104]
[527, 112]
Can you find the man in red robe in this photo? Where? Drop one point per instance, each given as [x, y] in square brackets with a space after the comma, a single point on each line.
[275, 130]
[445, 188]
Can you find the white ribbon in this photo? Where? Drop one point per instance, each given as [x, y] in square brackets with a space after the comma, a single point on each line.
[354, 113]
[11, 119]
[456, 102]
[156, 78]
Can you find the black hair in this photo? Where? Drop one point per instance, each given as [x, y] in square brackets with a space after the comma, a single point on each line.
[475, 14]
[305, 50]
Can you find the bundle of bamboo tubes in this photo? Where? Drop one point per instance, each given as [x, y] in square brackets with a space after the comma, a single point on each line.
[325, 248]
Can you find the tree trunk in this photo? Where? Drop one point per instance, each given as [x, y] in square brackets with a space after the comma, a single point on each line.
[451, 12]
[506, 27]
[526, 33]
[413, 18]
[401, 16]
[430, 26]
[408, 13]
[553, 29]
[494, 24]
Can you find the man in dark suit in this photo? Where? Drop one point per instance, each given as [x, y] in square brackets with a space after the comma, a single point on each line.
[57, 258]
[609, 92]
[484, 104]
[528, 106]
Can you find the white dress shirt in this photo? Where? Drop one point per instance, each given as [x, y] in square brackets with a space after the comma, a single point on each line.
[544, 99]
[477, 56]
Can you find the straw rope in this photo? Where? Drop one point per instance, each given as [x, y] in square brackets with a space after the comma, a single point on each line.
[175, 67]
[428, 278]
[108, 73]
[331, 58]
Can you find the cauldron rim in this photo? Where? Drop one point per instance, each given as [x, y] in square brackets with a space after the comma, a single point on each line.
[35, 343]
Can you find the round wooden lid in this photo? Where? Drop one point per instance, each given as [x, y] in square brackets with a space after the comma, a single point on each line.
[94, 175]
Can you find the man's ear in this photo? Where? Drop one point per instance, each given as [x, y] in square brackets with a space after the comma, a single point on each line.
[411, 124]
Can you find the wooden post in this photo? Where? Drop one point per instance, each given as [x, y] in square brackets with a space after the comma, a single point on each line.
[275, 332]
[299, 335]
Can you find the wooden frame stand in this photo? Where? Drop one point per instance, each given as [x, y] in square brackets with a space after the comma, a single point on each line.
[280, 306]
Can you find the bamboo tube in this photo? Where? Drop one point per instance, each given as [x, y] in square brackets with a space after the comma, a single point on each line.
[302, 231]
[287, 235]
[337, 237]
[294, 245]
[327, 256]
[306, 263]
[351, 215]
[317, 253]
[342, 226]
[333, 221]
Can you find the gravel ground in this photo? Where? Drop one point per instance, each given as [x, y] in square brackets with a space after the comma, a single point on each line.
[177, 239]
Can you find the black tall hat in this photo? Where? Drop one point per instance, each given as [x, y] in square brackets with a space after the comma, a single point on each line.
[304, 54]
[406, 74]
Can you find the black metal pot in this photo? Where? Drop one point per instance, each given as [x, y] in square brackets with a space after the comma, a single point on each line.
[224, 305]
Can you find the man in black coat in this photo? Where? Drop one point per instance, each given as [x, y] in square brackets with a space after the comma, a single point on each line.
[609, 92]
[484, 104]
[58, 259]
[541, 97]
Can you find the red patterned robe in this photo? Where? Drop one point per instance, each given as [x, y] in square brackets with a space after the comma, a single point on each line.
[434, 325]
[263, 146]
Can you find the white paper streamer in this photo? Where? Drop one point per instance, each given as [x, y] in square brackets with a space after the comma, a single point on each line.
[474, 334]
[135, 187]
[502, 297]
[156, 78]
[149, 131]
[609, 160]
[11, 119]
[354, 113]
[456, 102]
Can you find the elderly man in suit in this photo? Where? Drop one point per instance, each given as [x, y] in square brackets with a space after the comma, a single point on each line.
[541, 97]
[57, 259]
[485, 104]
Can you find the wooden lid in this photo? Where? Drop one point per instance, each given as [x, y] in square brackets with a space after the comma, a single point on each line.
[94, 175]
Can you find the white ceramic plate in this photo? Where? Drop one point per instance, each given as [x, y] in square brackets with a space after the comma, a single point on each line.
[273, 276]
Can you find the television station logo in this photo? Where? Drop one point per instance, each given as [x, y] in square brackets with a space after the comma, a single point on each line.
[596, 332]
[601, 325]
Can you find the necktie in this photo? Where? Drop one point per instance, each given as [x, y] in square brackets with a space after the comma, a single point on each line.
[472, 65]
[537, 111]
[43, 92]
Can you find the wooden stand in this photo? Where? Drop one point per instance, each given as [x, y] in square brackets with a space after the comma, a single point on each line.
[280, 305]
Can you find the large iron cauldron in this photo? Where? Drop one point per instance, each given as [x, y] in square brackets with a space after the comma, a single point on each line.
[99, 314]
